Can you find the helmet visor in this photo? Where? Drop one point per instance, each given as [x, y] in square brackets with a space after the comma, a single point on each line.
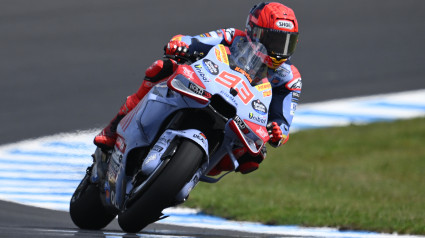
[278, 43]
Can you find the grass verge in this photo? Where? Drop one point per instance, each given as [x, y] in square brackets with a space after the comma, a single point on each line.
[369, 177]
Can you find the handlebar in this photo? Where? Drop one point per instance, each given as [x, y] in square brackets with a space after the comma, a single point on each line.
[187, 58]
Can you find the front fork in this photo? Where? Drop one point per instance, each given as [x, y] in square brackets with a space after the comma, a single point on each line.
[206, 167]
[162, 150]
[100, 166]
[157, 152]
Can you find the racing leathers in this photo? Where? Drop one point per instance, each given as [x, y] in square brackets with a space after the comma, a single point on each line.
[286, 89]
[285, 80]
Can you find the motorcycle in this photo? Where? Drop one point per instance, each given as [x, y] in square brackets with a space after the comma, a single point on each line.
[211, 108]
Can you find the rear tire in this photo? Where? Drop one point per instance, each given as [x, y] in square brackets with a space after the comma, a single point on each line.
[86, 208]
[163, 191]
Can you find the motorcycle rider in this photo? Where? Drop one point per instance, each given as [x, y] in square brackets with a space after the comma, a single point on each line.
[276, 27]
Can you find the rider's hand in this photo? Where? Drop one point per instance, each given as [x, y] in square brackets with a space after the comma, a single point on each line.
[176, 47]
[275, 134]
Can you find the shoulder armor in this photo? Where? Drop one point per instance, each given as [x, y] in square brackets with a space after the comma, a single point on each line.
[231, 33]
[295, 84]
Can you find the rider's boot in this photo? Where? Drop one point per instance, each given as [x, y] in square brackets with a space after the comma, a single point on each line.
[158, 71]
[107, 137]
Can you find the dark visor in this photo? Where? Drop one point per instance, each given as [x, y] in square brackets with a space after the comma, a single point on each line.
[277, 43]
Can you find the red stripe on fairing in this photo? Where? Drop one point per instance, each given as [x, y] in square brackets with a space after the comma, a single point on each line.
[259, 130]
[239, 134]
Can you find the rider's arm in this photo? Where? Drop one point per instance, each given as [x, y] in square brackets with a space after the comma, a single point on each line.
[286, 92]
[204, 42]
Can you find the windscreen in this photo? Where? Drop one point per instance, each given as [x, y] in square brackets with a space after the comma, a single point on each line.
[247, 58]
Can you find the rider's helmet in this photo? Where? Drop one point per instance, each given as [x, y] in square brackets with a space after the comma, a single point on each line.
[276, 27]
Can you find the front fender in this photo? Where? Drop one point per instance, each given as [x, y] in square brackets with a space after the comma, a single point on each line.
[158, 151]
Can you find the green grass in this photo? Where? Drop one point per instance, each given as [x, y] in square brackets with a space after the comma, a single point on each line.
[368, 177]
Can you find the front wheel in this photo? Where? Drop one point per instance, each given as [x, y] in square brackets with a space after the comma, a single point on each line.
[162, 192]
[86, 208]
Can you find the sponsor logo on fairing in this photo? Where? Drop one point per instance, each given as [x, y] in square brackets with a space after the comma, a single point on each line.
[201, 137]
[244, 73]
[259, 107]
[221, 54]
[257, 118]
[261, 132]
[211, 67]
[267, 93]
[188, 73]
[198, 69]
[224, 51]
[263, 87]
[240, 123]
[232, 98]
[196, 89]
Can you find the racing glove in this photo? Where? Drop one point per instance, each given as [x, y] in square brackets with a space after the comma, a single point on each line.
[275, 134]
[176, 47]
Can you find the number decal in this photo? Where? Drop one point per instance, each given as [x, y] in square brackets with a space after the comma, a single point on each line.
[244, 93]
[228, 80]
[231, 81]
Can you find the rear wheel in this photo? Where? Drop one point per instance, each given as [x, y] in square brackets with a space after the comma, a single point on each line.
[162, 192]
[86, 208]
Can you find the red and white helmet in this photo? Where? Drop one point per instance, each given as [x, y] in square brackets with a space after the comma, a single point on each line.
[276, 27]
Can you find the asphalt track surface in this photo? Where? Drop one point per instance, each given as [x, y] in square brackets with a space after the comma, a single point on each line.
[68, 65]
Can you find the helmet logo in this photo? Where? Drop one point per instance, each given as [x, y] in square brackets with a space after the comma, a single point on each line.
[285, 24]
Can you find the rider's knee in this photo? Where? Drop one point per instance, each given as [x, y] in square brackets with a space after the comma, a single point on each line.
[160, 69]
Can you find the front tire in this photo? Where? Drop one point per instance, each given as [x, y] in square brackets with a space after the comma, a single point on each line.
[86, 208]
[162, 192]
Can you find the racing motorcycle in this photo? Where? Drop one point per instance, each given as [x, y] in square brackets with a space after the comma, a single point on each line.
[208, 109]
